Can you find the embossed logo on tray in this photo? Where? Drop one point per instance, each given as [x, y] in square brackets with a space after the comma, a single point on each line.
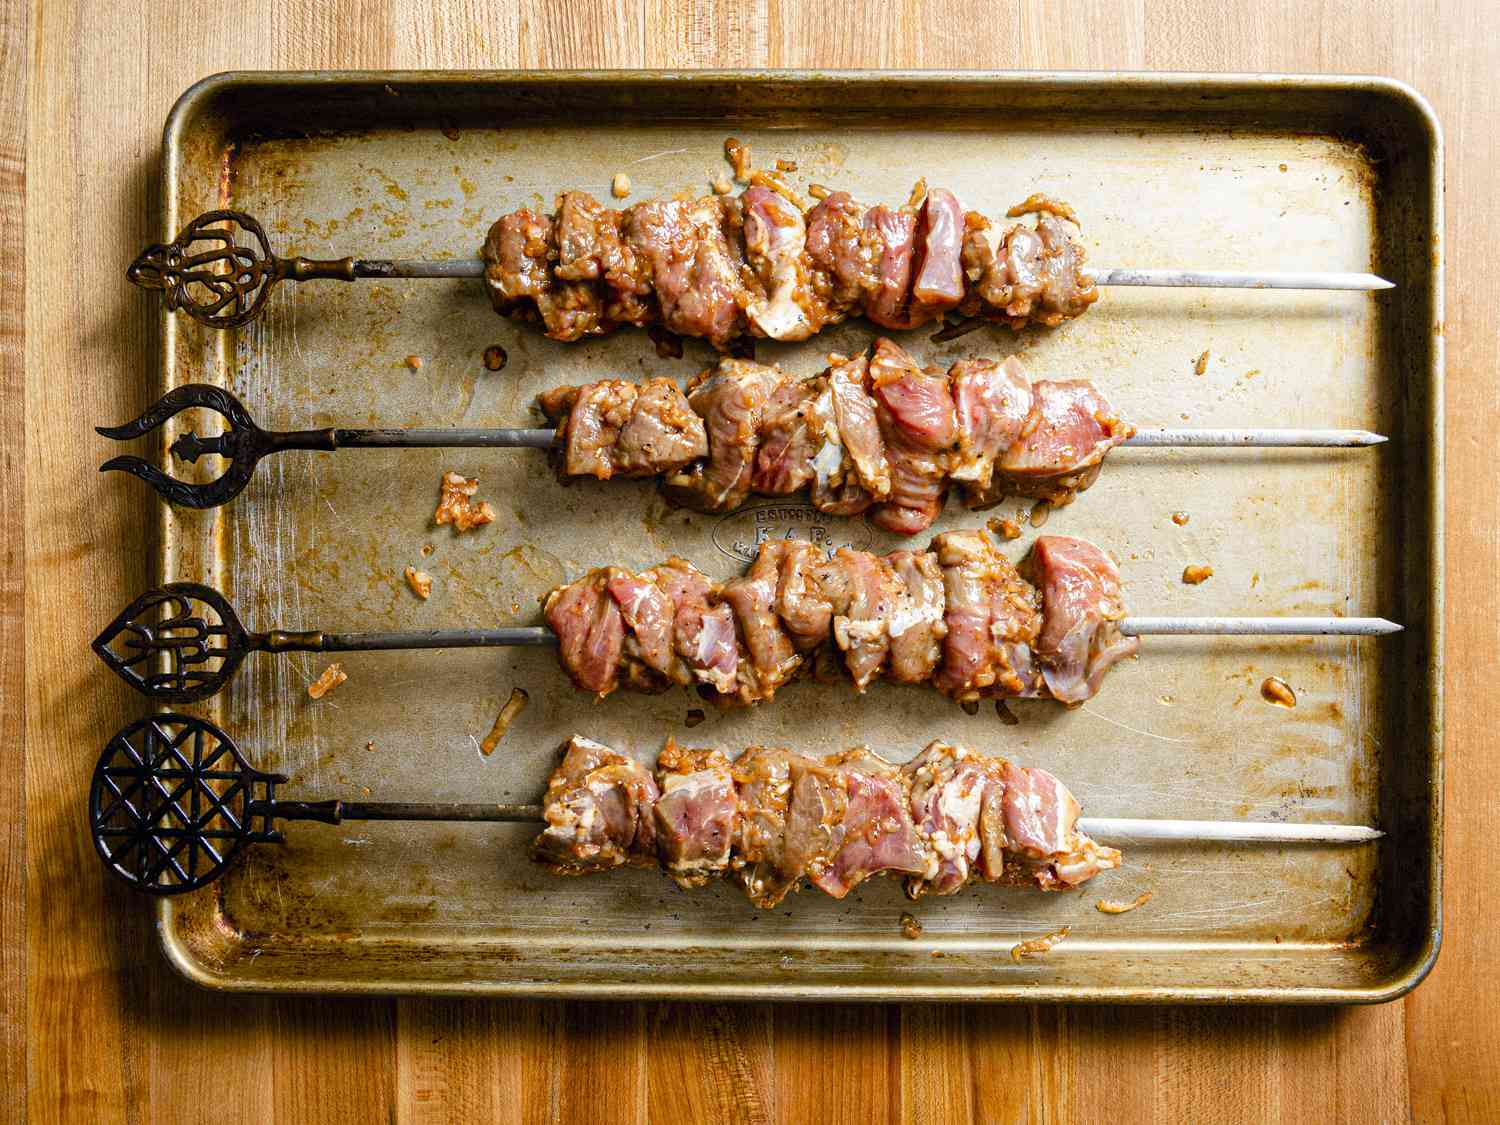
[740, 534]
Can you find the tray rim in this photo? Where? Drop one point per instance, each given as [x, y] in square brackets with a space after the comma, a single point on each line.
[1416, 966]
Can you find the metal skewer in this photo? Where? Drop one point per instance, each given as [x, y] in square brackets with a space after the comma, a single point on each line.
[245, 443]
[173, 801]
[206, 274]
[196, 631]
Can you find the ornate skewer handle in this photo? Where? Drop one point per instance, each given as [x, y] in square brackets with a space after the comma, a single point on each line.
[206, 273]
[244, 443]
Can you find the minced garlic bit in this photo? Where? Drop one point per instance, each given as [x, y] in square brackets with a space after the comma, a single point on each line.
[1037, 947]
[918, 192]
[420, 582]
[370, 745]
[1040, 201]
[1196, 575]
[1274, 689]
[1110, 906]
[426, 550]
[818, 191]
[414, 362]
[721, 184]
[785, 165]
[911, 929]
[456, 504]
[619, 187]
[513, 707]
[1202, 364]
[1006, 528]
[1179, 518]
[332, 676]
[738, 155]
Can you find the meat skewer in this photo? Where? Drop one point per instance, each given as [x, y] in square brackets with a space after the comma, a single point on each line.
[959, 618]
[874, 433]
[762, 264]
[769, 820]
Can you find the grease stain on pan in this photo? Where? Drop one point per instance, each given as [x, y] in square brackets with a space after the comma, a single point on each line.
[740, 534]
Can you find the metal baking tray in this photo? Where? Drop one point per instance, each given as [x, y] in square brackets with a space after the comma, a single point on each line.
[1165, 170]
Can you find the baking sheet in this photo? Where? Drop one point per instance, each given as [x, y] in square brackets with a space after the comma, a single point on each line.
[1164, 171]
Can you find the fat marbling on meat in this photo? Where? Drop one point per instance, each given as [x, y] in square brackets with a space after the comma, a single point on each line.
[1082, 607]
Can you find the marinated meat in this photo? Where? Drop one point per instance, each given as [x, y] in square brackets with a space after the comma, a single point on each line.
[1023, 274]
[939, 282]
[590, 631]
[860, 474]
[649, 650]
[959, 617]
[703, 635]
[791, 436]
[1041, 827]
[948, 786]
[1062, 445]
[992, 402]
[599, 809]
[1082, 607]
[769, 659]
[843, 253]
[920, 429]
[872, 831]
[865, 594]
[763, 779]
[773, 817]
[695, 266]
[868, 431]
[590, 249]
[519, 271]
[721, 268]
[732, 402]
[614, 428]
[894, 232]
[695, 815]
[916, 627]
[775, 244]
[992, 616]
[803, 602]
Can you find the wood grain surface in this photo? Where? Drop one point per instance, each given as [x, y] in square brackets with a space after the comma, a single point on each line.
[96, 1028]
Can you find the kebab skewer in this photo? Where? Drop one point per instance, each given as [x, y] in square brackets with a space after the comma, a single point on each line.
[724, 269]
[174, 801]
[959, 618]
[874, 433]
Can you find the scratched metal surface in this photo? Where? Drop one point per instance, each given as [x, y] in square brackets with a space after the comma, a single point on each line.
[1278, 176]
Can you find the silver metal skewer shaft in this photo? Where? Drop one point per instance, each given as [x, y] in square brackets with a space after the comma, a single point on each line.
[1229, 279]
[1168, 279]
[1100, 827]
[1258, 626]
[1234, 831]
[1263, 438]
